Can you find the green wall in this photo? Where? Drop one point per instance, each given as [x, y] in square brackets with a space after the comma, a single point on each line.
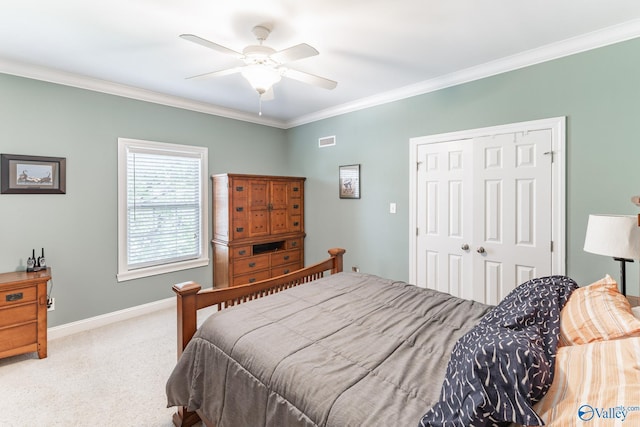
[79, 229]
[599, 93]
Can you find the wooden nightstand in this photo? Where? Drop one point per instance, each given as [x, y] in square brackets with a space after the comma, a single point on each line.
[23, 312]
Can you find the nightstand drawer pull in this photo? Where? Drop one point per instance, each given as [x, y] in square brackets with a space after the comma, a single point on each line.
[286, 271]
[252, 264]
[296, 206]
[286, 257]
[253, 279]
[296, 223]
[239, 229]
[296, 189]
[242, 252]
[239, 188]
[239, 209]
[14, 297]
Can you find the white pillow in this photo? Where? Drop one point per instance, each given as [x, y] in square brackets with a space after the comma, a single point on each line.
[636, 311]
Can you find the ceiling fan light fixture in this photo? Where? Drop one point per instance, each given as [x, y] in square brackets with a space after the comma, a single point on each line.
[261, 78]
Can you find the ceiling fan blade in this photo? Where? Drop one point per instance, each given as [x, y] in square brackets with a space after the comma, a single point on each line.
[294, 53]
[218, 73]
[311, 79]
[210, 45]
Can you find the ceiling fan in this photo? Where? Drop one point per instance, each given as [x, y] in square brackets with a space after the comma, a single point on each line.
[264, 66]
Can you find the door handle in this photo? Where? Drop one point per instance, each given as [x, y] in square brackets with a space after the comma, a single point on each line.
[480, 250]
[464, 247]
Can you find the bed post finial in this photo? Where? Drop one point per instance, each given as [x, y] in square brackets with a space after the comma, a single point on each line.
[187, 318]
[336, 254]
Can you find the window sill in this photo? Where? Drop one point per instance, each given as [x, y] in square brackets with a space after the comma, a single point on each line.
[161, 269]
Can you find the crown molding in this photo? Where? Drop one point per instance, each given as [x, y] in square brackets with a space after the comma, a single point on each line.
[22, 69]
[596, 39]
[600, 38]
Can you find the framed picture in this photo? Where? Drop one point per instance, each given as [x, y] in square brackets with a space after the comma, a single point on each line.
[350, 182]
[32, 174]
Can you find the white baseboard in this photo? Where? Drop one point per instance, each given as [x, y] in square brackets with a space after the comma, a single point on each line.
[107, 319]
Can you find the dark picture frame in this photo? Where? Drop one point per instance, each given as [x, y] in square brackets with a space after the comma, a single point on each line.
[350, 181]
[21, 174]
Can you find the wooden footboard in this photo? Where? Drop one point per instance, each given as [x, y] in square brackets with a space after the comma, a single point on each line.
[191, 298]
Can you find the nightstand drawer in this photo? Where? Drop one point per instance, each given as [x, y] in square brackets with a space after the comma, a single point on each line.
[18, 314]
[18, 336]
[17, 296]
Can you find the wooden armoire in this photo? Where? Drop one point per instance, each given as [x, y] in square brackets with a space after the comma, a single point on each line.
[258, 227]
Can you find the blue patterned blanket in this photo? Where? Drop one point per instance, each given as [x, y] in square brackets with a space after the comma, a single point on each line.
[504, 365]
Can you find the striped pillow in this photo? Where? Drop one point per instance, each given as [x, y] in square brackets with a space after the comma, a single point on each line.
[597, 312]
[597, 382]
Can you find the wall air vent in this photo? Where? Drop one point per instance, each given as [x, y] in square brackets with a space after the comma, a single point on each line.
[327, 141]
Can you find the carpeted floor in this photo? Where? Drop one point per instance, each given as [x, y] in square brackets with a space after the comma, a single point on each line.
[110, 376]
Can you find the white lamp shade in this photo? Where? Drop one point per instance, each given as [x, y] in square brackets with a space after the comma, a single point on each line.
[261, 78]
[616, 236]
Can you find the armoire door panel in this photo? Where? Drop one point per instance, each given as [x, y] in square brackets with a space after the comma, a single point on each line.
[279, 195]
[259, 196]
[279, 221]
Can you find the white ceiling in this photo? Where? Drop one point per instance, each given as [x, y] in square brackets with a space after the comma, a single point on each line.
[377, 50]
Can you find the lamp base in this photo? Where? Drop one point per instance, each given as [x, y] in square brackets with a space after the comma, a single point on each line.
[623, 274]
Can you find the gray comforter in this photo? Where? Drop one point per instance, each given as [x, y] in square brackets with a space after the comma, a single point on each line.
[346, 350]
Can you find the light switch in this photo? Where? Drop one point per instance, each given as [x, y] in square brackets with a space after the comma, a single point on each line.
[392, 208]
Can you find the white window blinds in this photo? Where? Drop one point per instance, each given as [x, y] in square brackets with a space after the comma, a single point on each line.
[164, 207]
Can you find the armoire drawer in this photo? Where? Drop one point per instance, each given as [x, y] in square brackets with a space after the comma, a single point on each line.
[294, 244]
[285, 269]
[243, 279]
[241, 252]
[284, 257]
[250, 264]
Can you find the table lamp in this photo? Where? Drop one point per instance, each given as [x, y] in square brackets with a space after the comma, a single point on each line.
[617, 236]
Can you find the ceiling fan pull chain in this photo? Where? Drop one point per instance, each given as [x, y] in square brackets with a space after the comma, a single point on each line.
[260, 104]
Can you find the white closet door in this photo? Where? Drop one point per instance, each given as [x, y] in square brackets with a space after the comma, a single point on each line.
[484, 214]
[513, 212]
[444, 188]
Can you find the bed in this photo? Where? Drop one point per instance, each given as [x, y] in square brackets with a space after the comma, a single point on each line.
[351, 349]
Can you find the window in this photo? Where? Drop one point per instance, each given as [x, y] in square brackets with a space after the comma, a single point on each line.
[162, 208]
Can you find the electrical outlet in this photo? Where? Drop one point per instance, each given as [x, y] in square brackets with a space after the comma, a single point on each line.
[51, 304]
[355, 269]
